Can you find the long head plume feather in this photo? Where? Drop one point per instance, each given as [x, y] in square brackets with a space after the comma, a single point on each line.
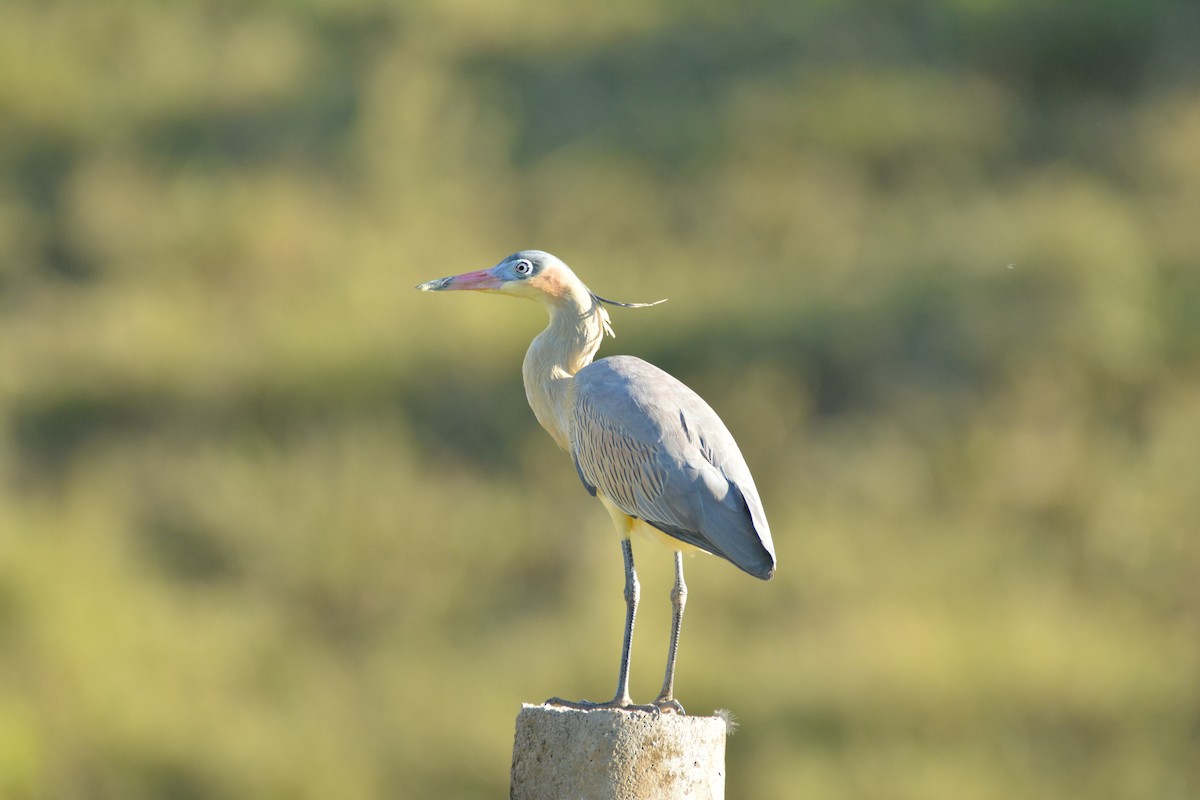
[604, 313]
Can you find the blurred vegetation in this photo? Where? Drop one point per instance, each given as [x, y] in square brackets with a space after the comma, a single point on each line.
[273, 525]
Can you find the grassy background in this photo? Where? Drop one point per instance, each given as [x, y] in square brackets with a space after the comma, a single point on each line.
[273, 525]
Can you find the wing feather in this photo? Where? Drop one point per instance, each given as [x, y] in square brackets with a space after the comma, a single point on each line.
[659, 452]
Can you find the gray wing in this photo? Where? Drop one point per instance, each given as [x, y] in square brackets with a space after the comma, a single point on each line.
[654, 448]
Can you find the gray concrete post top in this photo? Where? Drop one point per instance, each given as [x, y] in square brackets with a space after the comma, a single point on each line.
[604, 754]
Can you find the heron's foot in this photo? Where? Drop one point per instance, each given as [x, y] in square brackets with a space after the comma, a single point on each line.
[616, 704]
[669, 705]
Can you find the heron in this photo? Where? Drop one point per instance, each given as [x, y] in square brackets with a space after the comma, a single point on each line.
[656, 455]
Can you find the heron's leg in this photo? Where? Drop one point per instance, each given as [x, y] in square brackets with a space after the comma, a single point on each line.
[666, 698]
[633, 591]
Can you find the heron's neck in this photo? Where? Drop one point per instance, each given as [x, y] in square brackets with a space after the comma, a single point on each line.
[570, 341]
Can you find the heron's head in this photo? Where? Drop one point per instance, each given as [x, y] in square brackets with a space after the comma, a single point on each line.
[532, 274]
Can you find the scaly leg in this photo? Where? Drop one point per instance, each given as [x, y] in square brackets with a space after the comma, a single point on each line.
[621, 699]
[666, 698]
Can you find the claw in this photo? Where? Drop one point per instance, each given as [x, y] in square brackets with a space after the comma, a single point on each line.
[670, 705]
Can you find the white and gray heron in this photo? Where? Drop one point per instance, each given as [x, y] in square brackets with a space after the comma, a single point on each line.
[645, 445]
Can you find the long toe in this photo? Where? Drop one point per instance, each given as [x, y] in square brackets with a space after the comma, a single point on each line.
[616, 704]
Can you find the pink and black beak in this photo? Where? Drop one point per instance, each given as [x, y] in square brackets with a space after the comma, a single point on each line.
[483, 280]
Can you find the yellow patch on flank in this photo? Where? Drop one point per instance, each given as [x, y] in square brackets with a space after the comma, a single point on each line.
[648, 531]
[627, 525]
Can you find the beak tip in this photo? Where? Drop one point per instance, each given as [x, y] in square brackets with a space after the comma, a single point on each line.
[432, 286]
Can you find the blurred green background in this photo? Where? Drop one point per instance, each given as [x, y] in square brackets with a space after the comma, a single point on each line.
[274, 525]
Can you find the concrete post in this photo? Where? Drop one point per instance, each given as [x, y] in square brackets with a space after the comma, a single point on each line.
[566, 754]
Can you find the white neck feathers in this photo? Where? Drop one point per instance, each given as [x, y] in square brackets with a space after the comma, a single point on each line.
[577, 326]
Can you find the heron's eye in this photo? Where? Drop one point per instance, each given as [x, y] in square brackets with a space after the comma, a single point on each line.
[523, 267]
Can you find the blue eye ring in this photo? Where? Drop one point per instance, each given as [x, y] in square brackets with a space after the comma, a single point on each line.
[523, 267]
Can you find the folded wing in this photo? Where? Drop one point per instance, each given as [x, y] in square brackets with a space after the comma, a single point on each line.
[660, 453]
